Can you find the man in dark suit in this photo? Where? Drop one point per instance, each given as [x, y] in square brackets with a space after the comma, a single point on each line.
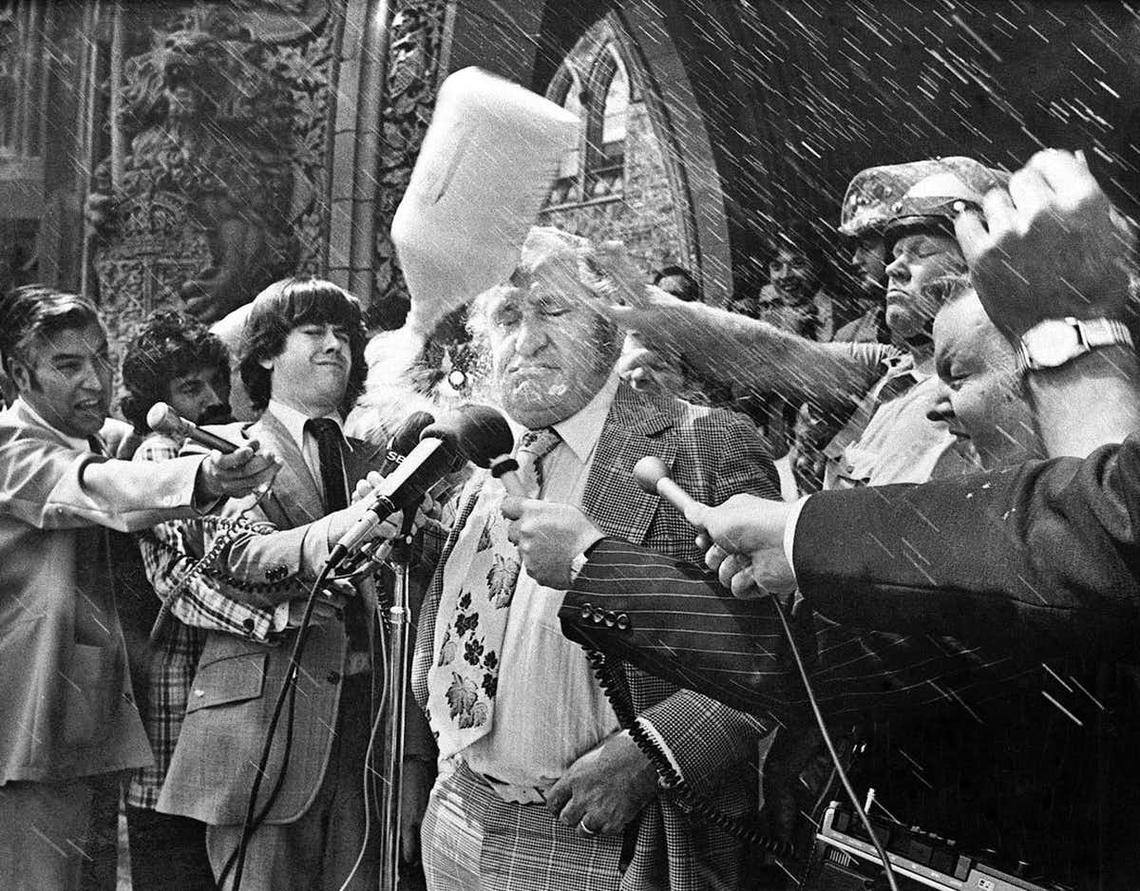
[541, 785]
[65, 688]
[302, 362]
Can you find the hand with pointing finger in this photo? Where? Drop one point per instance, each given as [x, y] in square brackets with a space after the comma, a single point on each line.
[1050, 247]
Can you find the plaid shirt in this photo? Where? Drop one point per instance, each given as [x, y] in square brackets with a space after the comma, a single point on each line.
[189, 609]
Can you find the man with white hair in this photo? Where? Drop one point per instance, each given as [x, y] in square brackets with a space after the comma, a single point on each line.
[543, 783]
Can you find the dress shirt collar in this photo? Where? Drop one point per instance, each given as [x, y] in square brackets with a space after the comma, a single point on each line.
[80, 444]
[581, 431]
[294, 420]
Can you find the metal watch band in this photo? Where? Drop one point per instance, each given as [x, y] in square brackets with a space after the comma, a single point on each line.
[1103, 332]
[1090, 334]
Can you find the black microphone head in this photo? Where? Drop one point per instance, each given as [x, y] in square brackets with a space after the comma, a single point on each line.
[478, 433]
[405, 439]
[163, 419]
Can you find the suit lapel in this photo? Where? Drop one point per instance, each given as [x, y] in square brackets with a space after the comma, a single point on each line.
[295, 493]
[635, 427]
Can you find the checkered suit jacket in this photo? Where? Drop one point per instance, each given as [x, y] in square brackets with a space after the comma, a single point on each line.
[712, 454]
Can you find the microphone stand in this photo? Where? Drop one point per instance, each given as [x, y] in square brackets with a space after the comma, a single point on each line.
[396, 682]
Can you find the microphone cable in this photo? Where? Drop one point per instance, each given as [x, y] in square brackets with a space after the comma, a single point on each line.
[888, 868]
[366, 778]
[251, 823]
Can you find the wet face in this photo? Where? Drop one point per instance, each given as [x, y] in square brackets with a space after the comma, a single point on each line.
[793, 274]
[202, 396]
[982, 399]
[68, 382]
[311, 372]
[551, 353]
[920, 264]
[869, 264]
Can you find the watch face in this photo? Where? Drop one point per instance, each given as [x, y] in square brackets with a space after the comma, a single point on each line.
[1052, 343]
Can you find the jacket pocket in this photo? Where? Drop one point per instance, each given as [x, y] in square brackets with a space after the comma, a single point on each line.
[92, 688]
[227, 680]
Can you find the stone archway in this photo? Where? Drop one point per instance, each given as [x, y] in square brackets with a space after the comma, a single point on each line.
[680, 187]
[681, 130]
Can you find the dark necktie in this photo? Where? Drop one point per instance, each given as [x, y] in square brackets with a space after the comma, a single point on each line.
[329, 438]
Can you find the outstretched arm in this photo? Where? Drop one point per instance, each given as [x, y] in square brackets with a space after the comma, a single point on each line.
[756, 357]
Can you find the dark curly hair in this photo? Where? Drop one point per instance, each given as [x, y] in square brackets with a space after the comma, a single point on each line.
[166, 346]
[286, 305]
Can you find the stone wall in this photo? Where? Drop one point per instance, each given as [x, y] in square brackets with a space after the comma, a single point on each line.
[644, 217]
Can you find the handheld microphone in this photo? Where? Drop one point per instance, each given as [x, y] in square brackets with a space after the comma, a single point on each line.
[499, 442]
[653, 476]
[163, 419]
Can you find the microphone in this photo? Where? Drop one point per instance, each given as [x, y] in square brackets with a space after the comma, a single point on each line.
[653, 476]
[499, 442]
[401, 443]
[163, 419]
[443, 448]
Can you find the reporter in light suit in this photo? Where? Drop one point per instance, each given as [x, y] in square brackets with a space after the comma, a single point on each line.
[302, 363]
[65, 693]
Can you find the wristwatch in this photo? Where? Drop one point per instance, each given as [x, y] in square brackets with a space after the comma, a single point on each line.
[1053, 342]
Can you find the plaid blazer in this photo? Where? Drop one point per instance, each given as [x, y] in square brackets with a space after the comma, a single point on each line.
[712, 454]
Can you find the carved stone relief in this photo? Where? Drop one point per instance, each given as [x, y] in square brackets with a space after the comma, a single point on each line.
[220, 190]
[415, 52]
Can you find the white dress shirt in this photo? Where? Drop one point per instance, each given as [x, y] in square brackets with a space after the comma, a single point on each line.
[549, 709]
[294, 422]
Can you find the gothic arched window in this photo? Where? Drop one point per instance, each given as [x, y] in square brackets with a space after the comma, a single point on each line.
[566, 90]
[606, 127]
[592, 83]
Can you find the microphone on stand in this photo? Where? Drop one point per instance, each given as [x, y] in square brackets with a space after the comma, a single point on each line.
[163, 419]
[653, 476]
[443, 448]
[401, 444]
[404, 440]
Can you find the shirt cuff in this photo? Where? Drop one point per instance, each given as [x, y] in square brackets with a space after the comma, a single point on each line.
[659, 743]
[577, 565]
[790, 530]
[280, 617]
[203, 505]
